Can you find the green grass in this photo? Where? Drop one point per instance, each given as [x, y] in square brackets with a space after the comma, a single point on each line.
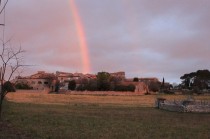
[92, 121]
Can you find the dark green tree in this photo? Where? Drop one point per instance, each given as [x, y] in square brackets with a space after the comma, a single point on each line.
[163, 83]
[103, 81]
[91, 85]
[135, 79]
[125, 88]
[72, 85]
[197, 79]
[57, 86]
[8, 87]
[22, 86]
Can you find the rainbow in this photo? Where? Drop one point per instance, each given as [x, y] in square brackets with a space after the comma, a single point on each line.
[81, 37]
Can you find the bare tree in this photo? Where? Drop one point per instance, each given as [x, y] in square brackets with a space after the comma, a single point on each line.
[10, 60]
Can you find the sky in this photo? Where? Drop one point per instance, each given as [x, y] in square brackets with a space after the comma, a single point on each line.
[144, 38]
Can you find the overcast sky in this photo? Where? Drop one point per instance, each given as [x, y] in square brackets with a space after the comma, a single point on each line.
[144, 38]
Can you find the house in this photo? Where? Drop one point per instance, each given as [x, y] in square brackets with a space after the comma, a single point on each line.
[148, 80]
[120, 75]
[65, 77]
[39, 81]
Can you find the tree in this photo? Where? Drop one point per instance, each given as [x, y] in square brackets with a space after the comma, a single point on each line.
[135, 79]
[10, 62]
[103, 81]
[57, 86]
[72, 85]
[125, 88]
[163, 83]
[8, 86]
[198, 79]
[91, 85]
[187, 79]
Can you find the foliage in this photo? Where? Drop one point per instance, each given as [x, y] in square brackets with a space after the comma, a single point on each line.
[22, 86]
[91, 85]
[81, 87]
[57, 86]
[135, 79]
[125, 88]
[103, 81]
[72, 85]
[163, 84]
[8, 87]
[200, 79]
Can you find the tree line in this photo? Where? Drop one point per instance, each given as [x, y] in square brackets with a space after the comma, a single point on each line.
[103, 82]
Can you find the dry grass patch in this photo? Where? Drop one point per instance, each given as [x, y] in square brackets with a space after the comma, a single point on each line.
[62, 99]
[73, 99]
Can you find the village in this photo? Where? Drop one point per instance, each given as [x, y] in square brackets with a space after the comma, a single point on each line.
[60, 82]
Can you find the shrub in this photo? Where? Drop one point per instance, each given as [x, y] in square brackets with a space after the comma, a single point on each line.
[81, 88]
[125, 88]
[8, 87]
[72, 85]
[22, 86]
[135, 79]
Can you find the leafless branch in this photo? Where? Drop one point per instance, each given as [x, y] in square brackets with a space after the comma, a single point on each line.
[3, 6]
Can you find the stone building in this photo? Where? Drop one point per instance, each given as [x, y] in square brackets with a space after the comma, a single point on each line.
[120, 75]
[39, 81]
[65, 77]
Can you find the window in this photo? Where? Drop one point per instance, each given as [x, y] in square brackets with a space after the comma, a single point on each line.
[45, 82]
[39, 82]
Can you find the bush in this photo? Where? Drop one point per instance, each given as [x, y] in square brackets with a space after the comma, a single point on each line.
[23, 86]
[8, 87]
[81, 88]
[135, 79]
[90, 86]
[72, 85]
[125, 88]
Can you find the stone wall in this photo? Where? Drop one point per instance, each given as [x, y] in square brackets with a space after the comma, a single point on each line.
[198, 108]
[179, 107]
[171, 107]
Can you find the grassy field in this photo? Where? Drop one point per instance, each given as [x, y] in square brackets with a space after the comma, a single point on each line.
[43, 116]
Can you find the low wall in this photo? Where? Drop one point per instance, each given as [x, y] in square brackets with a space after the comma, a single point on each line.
[198, 108]
[170, 107]
[179, 107]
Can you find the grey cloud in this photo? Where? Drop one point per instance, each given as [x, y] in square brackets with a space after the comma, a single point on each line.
[144, 38]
